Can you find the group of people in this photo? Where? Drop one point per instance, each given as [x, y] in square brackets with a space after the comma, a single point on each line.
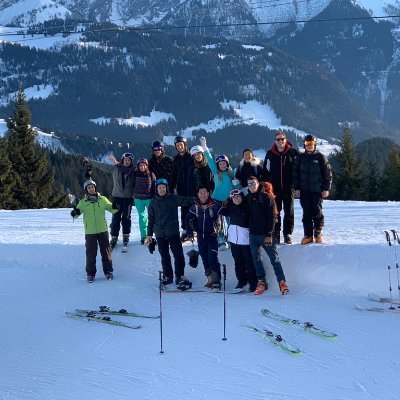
[219, 207]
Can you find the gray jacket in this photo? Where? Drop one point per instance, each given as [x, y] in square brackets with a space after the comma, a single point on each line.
[122, 183]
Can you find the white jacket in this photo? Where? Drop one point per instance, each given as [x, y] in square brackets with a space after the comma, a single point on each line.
[238, 235]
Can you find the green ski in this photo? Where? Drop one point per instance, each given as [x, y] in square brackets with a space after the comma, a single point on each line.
[104, 320]
[104, 310]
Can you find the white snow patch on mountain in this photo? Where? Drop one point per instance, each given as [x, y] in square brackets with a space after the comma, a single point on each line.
[31, 93]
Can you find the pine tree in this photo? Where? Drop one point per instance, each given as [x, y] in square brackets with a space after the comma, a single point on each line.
[6, 178]
[347, 169]
[33, 187]
[391, 176]
[371, 190]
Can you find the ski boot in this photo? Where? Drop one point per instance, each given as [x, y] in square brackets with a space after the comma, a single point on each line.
[109, 276]
[166, 280]
[209, 282]
[90, 278]
[125, 241]
[113, 241]
[184, 283]
[216, 286]
[283, 287]
[262, 286]
[287, 239]
[307, 240]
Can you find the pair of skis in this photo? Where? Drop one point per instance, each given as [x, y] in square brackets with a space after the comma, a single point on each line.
[103, 316]
[278, 340]
[393, 309]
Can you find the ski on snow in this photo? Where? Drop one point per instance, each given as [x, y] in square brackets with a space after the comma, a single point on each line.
[377, 309]
[104, 320]
[164, 290]
[278, 340]
[382, 299]
[307, 326]
[104, 310]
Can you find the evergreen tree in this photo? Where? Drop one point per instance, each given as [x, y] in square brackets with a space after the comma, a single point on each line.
[371, 190]
[33, 186]
[6, 178]
[347, 169]
[391, 176]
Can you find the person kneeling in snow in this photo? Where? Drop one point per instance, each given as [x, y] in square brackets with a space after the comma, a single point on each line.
[203, 217]
[93, 207]
[164, 223]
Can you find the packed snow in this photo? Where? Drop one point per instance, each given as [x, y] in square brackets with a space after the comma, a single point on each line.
[45, 355]
[31, 93]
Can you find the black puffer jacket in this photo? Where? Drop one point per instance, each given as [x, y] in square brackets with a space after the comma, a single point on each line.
[262, 213]
[312, 172]
[184, 167]
[163, 214]
[246, 169]
[278, 167]
[164, 167]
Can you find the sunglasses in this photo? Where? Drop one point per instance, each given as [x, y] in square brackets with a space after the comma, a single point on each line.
[234, 192]
[251, 184]
[309, 143]
[280, 139]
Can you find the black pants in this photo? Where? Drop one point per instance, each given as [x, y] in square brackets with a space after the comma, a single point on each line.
[184, 212]
[244, 267]
[286, 199]
[313, 219]
[91, 241]
[173, 242]
[122, 217]
[208, 249]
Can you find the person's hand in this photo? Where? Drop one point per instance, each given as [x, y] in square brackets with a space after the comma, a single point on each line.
[325, 194]
[112, 159]
[297, 194]
[190, 238]
[115, 205]
[268, 241]
[235, 182]
[148, 239]
[75, 212]
[203, 142]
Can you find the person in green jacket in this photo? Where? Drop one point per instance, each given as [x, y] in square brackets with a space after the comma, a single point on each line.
[93, 207]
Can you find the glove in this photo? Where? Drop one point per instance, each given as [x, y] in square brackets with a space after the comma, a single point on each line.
[115, 205]
[203, 142]
[75, 212]
[148, 239]
[235, 182]
[152, 245]
[268, 241]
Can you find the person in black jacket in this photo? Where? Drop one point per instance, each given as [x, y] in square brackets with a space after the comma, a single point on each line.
[312, 179]
[162, 166]
[277, 169]
[262, 211]
[237, 209]
[248, 166]
[184, 167]
[164, 223]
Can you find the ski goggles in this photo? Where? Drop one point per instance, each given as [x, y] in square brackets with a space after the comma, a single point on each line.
[157, 148]
[235, 192]
[251, 184]
[309, 143]
[127, 155]
[161, 181]
[142, 161]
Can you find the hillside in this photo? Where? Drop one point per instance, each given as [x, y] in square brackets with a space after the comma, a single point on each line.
[46, 355]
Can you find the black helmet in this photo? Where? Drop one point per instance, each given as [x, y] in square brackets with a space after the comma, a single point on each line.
[157, 145]
[180, 138]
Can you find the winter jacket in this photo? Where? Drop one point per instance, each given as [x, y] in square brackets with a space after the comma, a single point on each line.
[205, 221]
[122, 182]
[183, 167]
[262, 213]
[223, 186]
[278, 168]
[163, 214]
[164, 167]
[247, 169]
[312, 173]
[94, 218]
[238, 229]
[143, 185]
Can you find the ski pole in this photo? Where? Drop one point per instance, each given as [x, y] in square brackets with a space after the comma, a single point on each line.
[161, 327]
[389, 242]
[396, 239]
[224, 273]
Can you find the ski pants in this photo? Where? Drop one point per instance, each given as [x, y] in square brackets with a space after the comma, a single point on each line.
[313, 219]
[121, 217]
[285, 199]
[91, 241]
[208, 249]
[256, 243]
[174, 243]
[244, 266]
[184, 212]
[141, 208]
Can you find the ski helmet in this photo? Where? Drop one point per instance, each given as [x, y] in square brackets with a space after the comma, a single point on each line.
[157, 145]
[196, 149]
[127, 155]
[142, 161]
[180, 138]
[87, 183]
[310, 138]
[222, 157]
[161, 181]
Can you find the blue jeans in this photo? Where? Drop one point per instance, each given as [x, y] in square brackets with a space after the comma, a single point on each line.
[256, 242]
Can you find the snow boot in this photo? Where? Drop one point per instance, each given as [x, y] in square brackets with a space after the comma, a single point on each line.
[283, 287]
[167, 280]
[216, 285]
[125, 238]
[113, 241]
[90, 278]
[261, 287]
[184, 283]
[109, 276]
[209, 282]
[307, 240]
[287, 239]
[319, 239]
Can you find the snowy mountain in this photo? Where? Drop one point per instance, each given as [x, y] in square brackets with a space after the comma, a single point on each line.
[45, 355]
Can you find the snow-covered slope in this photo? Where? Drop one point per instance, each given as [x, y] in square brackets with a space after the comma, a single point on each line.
[45, 355]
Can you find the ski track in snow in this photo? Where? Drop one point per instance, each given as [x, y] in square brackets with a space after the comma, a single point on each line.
[45, 355]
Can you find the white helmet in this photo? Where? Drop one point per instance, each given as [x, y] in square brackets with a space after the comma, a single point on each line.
[87, 183]
[196, 149]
